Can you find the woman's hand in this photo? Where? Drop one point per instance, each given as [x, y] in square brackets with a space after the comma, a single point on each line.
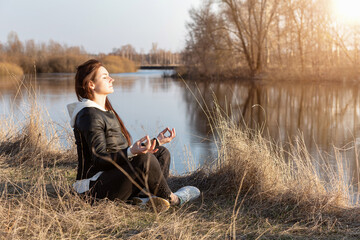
[147, 147]
[163, 139]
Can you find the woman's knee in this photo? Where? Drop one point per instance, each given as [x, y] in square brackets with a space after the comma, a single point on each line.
[163, 151]
[163, 156]
[145, 161]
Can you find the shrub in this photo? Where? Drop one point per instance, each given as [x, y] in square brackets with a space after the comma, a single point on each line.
[65, 63]
[117, 64]
[7, 69]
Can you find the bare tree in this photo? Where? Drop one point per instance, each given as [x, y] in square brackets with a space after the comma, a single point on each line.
[249, 22]
[208, 45]
[15, 46]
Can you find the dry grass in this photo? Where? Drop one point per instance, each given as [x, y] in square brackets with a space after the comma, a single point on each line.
[296, 74]
[252, 192]
[9, 69]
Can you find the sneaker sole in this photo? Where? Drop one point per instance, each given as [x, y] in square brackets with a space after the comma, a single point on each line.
[160, 204]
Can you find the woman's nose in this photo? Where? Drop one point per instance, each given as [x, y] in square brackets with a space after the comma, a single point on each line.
[111, 79]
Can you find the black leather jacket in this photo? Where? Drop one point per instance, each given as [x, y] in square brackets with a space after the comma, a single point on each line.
[99, 139]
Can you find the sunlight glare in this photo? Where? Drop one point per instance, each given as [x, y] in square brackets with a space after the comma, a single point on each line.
[347, 10]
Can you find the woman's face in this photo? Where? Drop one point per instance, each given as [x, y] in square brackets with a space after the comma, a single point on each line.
[102, 84]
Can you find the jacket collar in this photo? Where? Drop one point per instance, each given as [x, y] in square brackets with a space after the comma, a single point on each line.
[76, 107]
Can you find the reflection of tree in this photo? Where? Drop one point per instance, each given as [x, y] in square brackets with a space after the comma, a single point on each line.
[8, 83]
[126, 83]
[49, 84]
[160, 84]
[324, 114]
[156, 83]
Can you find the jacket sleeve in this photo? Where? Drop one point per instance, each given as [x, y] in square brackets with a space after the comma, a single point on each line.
[92, 127]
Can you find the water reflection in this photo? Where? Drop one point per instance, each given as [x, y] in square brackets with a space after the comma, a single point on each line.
[9, 84]
[324, 114]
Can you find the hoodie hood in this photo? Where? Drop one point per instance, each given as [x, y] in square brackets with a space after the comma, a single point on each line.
[76, 107]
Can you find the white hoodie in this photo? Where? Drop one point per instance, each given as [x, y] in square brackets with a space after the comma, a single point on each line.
[76, 107]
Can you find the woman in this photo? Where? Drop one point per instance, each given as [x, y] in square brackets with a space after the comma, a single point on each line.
[109, 164]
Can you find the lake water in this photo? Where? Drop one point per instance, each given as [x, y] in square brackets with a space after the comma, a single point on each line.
[324, 114]
[146, 102]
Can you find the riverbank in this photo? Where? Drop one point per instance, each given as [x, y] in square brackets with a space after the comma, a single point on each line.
[251, 192]
[274, 74]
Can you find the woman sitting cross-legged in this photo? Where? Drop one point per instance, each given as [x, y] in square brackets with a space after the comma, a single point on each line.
[109, 165]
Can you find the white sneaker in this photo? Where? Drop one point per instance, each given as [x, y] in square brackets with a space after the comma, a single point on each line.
[187, 194]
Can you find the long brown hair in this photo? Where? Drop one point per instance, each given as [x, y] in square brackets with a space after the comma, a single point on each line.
[85, 73]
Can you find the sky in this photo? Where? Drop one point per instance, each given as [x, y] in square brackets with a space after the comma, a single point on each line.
[99, 26]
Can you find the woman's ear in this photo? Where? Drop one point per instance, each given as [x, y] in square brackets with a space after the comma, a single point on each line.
[91, 85]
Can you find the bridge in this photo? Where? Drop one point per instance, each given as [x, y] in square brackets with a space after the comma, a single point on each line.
[159, 66]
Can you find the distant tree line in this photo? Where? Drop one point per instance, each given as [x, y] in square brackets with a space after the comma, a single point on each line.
[23, 57]
[17, 57]
[156, 55]
[232, 38]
